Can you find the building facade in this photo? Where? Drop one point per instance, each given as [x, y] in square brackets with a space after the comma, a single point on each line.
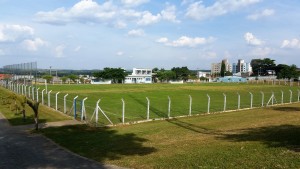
[139, 76]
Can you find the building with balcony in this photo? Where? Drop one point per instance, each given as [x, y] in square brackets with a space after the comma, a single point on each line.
[139, 76]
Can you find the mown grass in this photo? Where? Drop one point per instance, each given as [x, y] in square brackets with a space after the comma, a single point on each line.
[258, 138]
[136, 103]
[15, 117]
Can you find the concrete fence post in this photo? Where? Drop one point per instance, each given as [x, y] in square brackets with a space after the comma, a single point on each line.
[225, 100]
[208, 104]
[56, 100]
[190, 108]
[251, 101]
[43, 96]
[239, 101]
[33, 93]
[29, 91]
[65, 103]
[83, 112]
[262, 99]
[298, 98]
[123, 111]
[169, 107]
[281, 97]
[37, 94]
[74, 105]
[148, 108]
[291, 96]
[25, 92]
[49, 98]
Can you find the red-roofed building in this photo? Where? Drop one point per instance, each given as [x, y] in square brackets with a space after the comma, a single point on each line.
[4, 76]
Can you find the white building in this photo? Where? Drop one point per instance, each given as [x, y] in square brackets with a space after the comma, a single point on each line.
[216, 68]
[139, 76]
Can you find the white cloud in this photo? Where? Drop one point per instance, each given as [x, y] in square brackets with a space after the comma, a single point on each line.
[120, 53]
[262, 14]
[252, 40]
[162, 40]
[59, 51]
[199, 11]
[33, 45]
[77, 49]
[136, 32]
[292, 44]
[261, 52]
[170, 14]
[148, 18]
[134, 2]
[185, 41]
[12, 33]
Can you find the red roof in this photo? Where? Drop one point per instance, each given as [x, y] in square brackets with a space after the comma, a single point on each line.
[3, 76]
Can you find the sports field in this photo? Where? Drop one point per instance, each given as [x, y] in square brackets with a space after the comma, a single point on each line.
[135, 95]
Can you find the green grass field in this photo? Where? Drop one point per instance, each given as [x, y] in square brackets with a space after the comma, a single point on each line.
[136, 103]
[257, 138]
[15, 118]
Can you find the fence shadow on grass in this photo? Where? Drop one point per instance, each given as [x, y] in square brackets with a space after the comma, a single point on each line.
[287, 136]
[287, 109]
[28, 120]
[98, 143]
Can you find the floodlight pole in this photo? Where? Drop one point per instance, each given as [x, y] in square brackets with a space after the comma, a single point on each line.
[56, 100]
[251, 102]
[49, 98]
[123, 111]
[65, 107]
[225, 100]
[148, 108]
[208, 103]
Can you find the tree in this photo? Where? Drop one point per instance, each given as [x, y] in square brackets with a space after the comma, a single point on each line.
[260, 66]
[48, 78]
[117, 75]
[73, 77]
[181, 73]
[223, 69]
[289, 72]
[64, 79]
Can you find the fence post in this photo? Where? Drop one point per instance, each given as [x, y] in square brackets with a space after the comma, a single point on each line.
[56, 100]
[148, 108]
[46, 86]
[208, 103]
[97, 111]
[22, 89]
[33, 93]
[74, 104]
[169, 107]
[37, 94]
[29, 91]
[291, 96]
[25, 92]
[123, 111]
[83, 112]
[239, 101]
[191, 101]
[251, 102]
[65, 106]
[298, 94]
[273, 95]
[49, 98]
[262, 98]
[225, 100]
[43, 96]
[281, 97]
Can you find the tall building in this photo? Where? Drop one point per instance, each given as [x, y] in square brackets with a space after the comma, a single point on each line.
[241, 67]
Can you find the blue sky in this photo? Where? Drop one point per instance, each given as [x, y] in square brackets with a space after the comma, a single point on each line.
[93, 34]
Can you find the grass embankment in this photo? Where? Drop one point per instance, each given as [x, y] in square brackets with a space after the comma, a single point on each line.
[259, 138]
[7, 108]
[136, 103]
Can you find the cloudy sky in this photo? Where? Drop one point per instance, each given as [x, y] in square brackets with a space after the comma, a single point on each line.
[93, 34]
